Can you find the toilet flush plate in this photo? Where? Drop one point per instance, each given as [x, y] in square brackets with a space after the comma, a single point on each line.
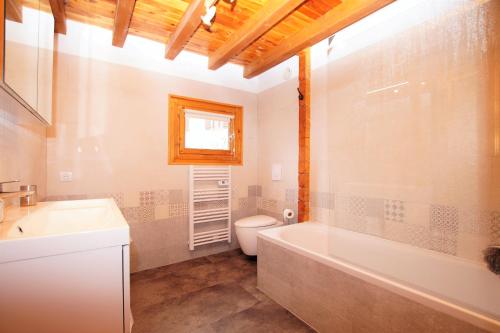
[276, 172]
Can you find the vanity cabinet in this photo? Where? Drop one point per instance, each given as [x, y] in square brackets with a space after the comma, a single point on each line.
[79, 292]
[65, 267]
[27, 55]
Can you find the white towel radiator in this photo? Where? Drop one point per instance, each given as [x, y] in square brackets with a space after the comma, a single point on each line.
[209, 205]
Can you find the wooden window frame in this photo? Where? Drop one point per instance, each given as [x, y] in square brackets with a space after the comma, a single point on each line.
[179, 154]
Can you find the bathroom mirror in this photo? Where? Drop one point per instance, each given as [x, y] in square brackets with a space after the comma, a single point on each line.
[45, 62]
[28, 55]
[21, 51]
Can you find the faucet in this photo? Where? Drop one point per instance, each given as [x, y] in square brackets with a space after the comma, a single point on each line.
[27, 195]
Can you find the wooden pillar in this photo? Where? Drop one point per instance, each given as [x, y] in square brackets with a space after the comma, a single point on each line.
[2, 37]
[304, 133]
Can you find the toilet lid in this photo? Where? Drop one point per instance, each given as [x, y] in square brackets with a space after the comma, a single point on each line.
[255, 221]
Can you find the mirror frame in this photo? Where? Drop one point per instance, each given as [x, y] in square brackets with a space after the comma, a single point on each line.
[3, 84]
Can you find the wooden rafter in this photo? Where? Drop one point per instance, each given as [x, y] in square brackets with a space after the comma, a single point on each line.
[304, 134]
[14, 10]
[123, 16]
[157, 20]
[341, 16]
[190, 21]
[59, 13]
[257, 25]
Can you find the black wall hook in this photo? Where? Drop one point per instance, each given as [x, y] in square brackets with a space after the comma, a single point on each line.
[301, 96]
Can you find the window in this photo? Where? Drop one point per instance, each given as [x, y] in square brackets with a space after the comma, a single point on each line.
[204, 132]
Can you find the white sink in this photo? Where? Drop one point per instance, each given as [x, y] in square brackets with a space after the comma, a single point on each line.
[65, 267]
[51, 228]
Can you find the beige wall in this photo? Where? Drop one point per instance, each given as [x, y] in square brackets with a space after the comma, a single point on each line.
[278, 144]
[419, 164]
[22, 146]
[429, 149]
[110, 131]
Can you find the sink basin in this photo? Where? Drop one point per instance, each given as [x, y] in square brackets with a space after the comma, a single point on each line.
[63, 218]
[51, 228]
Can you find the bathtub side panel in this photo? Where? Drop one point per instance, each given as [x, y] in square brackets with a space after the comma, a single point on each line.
[330, 300]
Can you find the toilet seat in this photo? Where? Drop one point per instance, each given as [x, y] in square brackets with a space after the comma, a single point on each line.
[247, 229]
[256, 221]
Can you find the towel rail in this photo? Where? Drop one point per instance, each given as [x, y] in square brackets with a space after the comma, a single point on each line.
[209, 187]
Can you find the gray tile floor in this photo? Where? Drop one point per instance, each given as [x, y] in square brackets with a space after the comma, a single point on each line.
[217, 293]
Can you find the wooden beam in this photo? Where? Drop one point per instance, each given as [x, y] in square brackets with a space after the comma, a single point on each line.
[59, 13]
[14, 11]
[341, 16]
[2, 37]
[123, 16]
[257, 25]
[304, 134]
[185, 29]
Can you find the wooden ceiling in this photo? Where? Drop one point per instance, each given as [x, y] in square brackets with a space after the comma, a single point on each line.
[275, 29]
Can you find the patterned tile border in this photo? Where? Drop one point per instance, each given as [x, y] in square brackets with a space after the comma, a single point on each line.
[322, 200]
[254, 191]
[431, 226]
[438, 229]
[394, 210]
[444, 219]
[147, 198]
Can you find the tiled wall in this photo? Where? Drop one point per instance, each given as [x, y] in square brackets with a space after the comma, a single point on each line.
[111, 132]
[159, 224]
[22, 146]
[419, 164]
[452, 230]
[278, 144]
[275, 207]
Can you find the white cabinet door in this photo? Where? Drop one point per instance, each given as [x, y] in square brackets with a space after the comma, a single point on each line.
[79, 292]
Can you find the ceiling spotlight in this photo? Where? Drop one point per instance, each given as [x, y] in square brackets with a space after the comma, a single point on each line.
[210, 11]
[396, 91]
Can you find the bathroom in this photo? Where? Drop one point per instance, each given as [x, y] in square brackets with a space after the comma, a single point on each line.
[250, 166]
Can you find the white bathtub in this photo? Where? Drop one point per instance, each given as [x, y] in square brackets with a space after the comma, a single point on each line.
[460, 288]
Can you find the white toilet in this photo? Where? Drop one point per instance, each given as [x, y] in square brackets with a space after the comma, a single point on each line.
[247, 228]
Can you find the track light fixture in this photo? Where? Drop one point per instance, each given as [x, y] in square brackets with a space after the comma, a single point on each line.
[211, 10]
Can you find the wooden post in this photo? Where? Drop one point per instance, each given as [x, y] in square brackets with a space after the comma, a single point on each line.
[2, 37]
[304, 133]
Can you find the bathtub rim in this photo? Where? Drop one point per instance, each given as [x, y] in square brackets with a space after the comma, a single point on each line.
[477, 319]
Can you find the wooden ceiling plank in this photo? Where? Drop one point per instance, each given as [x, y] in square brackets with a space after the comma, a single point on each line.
[265, 19]
[14, 11]
[341, 16]
[123, 16]
[59, 13]
[187, 26]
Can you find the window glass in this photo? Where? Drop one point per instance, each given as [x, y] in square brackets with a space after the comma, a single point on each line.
[205, 130]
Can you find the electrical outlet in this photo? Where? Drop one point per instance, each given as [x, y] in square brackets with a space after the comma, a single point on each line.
[66, 176]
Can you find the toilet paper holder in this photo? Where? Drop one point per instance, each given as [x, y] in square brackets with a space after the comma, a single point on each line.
[288, 214]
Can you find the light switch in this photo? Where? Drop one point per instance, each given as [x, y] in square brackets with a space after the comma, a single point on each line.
[276, 172]
[66, 176]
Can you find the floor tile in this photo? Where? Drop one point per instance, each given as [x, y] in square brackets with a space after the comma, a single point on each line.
[192, 311]
[218, 257]
[147, 292]
[161, 271]
[263, 317]
[217, 293]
